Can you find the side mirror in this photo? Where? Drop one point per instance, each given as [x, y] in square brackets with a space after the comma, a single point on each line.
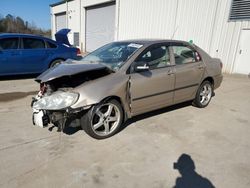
[141, 66]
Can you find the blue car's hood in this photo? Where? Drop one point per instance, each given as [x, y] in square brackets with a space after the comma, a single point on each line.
[62, 38]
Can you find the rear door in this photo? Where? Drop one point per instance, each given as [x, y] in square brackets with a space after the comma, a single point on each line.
[34, 57]
[189, 70]
[153, 88]
[9, 55]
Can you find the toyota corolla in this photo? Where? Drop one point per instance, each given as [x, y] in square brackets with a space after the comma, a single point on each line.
[124, 79]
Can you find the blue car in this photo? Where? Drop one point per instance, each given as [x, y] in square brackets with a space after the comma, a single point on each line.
[31, 54]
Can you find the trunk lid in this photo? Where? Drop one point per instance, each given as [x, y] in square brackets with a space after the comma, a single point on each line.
[62, 36]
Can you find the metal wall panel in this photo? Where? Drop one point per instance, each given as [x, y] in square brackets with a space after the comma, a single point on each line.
[205, 22]
[146, 19]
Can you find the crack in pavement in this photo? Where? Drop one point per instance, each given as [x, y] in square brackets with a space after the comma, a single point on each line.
[28, 142]
[29, 171]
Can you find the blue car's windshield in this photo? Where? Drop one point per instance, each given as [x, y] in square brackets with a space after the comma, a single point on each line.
[113, 55]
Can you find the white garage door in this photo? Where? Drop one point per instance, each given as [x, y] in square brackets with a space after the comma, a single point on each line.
[60, 21]
[100, 26]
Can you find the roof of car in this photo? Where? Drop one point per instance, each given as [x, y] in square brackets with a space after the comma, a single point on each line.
[20, 35]
[152, 41]
[25, 35]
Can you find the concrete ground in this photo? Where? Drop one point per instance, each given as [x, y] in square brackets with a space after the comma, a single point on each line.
[141, 155]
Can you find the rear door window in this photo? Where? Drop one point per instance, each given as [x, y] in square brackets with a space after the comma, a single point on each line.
[9, 43]
[32, 43]
[184, 55]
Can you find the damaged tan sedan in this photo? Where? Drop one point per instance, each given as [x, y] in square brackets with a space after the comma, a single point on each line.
[121, 80]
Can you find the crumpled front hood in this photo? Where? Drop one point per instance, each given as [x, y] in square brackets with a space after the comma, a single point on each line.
[68, 70]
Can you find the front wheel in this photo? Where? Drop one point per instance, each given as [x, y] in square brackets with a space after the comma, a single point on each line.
[103, 120]
[203, 95]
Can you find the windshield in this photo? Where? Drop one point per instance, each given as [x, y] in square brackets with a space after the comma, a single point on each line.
[112, 55]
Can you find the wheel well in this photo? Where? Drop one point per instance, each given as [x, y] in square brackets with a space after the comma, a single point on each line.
[113, 97]
[210, 79]
[120, 101]
[55, 60]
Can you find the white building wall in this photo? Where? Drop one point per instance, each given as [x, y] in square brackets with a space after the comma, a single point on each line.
[73, 17]
[224, 42]
[205, 22]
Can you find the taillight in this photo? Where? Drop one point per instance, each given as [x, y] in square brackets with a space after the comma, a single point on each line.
[43, 88]
[221, 65]
[78, 52]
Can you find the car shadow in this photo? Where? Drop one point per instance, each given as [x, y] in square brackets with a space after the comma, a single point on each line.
[154, 113]
[189, 177]
[69, 130]
[18, 77]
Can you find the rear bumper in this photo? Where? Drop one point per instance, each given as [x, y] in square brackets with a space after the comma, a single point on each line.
[217, 81]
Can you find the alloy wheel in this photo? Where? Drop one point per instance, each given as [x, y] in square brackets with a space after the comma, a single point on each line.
[205, 94]
[105, 119]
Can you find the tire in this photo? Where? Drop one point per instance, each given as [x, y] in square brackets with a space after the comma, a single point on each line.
[203, 95]
[103, 120]
[55, 62]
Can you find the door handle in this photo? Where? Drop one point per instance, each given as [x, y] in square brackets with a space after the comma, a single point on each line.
[200, 67]
[170, 72]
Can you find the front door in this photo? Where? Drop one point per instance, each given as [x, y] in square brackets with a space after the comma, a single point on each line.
[189, 70]
[153, 88]
[242, 64]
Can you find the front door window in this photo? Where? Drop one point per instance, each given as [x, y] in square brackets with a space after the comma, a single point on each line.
[157, 57]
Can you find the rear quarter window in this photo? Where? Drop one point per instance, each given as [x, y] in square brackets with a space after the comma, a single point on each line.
[51, 45]
[9, 43]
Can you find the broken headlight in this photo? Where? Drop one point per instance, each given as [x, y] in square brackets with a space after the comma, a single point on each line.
[56, 101]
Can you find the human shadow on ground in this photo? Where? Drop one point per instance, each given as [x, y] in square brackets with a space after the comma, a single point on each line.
[189, 177]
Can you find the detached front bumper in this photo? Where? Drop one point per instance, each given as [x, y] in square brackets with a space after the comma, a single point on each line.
[43, 118]
[59, 118]
[40, 118]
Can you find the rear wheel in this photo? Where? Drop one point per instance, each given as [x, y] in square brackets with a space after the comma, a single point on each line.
[103, 120]
[203, 95]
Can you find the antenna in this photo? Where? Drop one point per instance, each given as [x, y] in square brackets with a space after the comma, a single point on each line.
[174, 32]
